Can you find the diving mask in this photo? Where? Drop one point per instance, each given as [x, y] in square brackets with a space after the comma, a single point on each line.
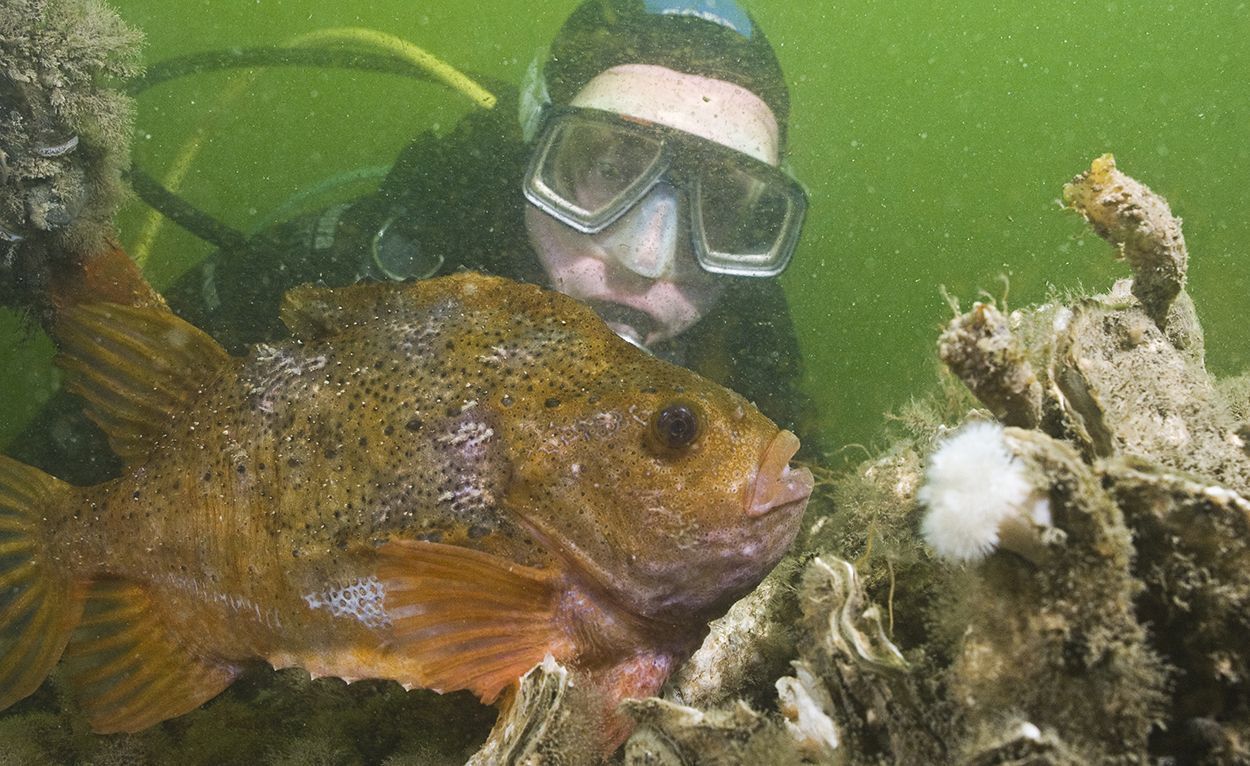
[590, 167]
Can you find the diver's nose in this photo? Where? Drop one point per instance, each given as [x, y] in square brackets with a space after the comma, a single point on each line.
[645, 239]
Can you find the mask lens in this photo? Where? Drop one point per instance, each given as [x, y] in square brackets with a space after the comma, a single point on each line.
[592, 172]
[748, 221]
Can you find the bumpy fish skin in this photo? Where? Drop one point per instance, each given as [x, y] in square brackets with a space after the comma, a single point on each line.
[438, 483]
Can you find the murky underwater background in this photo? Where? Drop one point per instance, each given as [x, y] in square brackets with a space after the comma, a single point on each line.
[933, 142]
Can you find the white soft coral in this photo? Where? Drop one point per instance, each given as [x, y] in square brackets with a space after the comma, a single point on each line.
[977, 492]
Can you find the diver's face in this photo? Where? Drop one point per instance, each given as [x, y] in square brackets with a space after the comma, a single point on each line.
[640, 273]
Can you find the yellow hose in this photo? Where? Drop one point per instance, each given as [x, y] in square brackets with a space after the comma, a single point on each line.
[366, 38]
[405, 51]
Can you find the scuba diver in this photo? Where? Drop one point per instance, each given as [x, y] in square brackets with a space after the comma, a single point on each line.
[643, 177]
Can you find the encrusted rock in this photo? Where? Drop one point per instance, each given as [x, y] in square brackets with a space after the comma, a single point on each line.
[752, 641]
[1193, 555]
[669, 734]
[549, 723]
[65, 131]
[1060, 643]
[1127, 390]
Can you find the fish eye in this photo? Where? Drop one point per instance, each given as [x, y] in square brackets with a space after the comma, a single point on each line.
[675, 426]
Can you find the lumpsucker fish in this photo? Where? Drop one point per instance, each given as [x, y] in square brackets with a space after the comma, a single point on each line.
[439, 483]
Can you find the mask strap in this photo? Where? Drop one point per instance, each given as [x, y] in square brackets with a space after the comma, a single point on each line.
[534, 97]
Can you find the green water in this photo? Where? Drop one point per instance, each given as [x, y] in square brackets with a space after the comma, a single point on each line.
[934, 144]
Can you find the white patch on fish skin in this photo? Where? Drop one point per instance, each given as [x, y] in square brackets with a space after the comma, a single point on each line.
[528, 348]
[471, 496]
[273, 368]
[496, 355]
[360, 599]
[418, 339]
[468, 436]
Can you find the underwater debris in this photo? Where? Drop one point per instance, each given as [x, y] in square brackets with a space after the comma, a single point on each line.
[1126, 213]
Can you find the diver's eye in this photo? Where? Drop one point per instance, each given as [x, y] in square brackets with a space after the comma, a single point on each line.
[676, 426]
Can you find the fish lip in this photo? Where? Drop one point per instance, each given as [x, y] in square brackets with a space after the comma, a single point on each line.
[776, 483]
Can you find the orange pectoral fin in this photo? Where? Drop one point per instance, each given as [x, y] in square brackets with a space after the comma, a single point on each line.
[471, 620]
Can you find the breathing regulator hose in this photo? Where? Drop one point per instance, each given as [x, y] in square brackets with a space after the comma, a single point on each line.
[355, 48]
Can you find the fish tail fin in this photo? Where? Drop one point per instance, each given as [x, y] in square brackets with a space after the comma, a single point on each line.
[40, 600]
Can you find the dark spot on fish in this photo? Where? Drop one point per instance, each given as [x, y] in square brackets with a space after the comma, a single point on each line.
[477, 532]
[390, 429]
[506, 400]
[363, 441]
[431, 537]
[551, 402]
[330, 453]
[242, 469]
[208, 476]
[135, 495]
[294, 462]
[414, 424]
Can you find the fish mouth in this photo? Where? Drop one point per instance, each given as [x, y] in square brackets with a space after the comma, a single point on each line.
[777, 484]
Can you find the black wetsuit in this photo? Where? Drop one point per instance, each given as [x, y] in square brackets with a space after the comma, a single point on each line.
[449, 203]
